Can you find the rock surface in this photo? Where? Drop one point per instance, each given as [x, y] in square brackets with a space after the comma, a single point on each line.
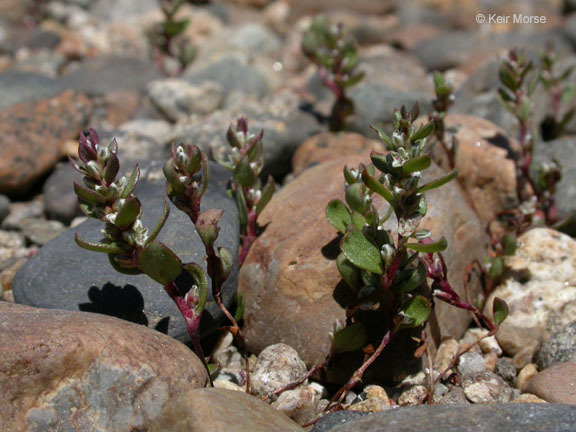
[539, 287]
[101, 373]
[32, 137]
[213, 409]
[63, 276]
[290, 282]
[556, 384]
[558, 348]
[481, 418]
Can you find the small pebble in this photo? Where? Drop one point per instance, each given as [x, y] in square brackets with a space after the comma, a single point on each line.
[525, 375]
[471, 338]
[485, 387]
[228, 385]
[505, 370]
[471, 363]
[40, 231]
[455, 396]
[20, 211]
[298, 404]
[445, 354]
[376, 400]
[412, 396]
[491, 359]
[525, 355]
[528, 398]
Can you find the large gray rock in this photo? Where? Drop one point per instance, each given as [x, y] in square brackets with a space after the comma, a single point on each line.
[63, 276]
[17, 86]
[75, 371]
[459, 418]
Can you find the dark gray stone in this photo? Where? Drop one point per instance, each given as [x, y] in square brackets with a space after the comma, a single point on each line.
[505, 369]
[563, 150]
[460, 418]
[16, 87]
[60, 202]
[63, 276]
[4, 207]
[559, 348]
[455, 396]
[101, 75]
[286, 125]
[375, 104]
[338, 418]
[232, 74]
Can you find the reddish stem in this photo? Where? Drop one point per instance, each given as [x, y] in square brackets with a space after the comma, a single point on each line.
[248, 237]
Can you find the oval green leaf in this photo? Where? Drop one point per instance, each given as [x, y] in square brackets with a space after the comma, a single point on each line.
[160, 263]
[361, 252]
[350, 338]
[434, 247]
[415, 312]
[499, 310]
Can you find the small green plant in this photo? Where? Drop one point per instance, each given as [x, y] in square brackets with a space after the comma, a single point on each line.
[334, 52]
[388, 272]
[560, 89]
[444, 100]
[131, 248]
[519, 79]
[246, 162]
[167, 42]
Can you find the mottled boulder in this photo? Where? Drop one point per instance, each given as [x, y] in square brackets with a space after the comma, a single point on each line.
[289, 280]
[556, 384]
[213, 409]
[32, 135]
[79, 371]
[64, 276]
[17, 86]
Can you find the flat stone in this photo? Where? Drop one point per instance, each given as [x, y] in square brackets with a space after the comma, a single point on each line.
[41, 231]
[64, 276]
[557, 384]
[17, 87]
[540, 281]
[335, 419]
[480, 418]
[100, 75]
[289, 280]
[80, 371]
[221, 410]
[32, 136]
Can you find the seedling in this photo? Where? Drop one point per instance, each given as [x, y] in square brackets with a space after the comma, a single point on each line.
[167, 42]
[333, 51]
[246, 162]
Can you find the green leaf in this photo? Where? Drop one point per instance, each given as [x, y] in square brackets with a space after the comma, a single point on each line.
[423, 132]
[98, 247]
[499, 310]
[416, 278]
[266, 195]
[160, 263]
[128, 213]
[349, 272]
[379, 161]
[131, 183]
[111, 169]
[244, 174]
[496, 267]
[174, 28]
[509, 244]
[354, 79]
[438, 182]
[359, 221]
[417, 164]
[159, 225]
[242, 207]
[88, 195]
[377, 187]
[227, 261]
[434, 247]
[350, 338]
[361, 252]
[415, 312]
[383, 136]
[338, 215]
[240, 307]
[200, 280]
[355, 197]
[507, 79]
[120, 268]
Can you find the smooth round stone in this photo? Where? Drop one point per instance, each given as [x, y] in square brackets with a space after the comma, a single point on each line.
[64, 276]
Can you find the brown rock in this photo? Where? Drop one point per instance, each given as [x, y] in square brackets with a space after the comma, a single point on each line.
[81, 371]
[216, 409]
[327, 146]
[556, 384]
[32, 136]
[121, 106]
[528, 398]
[485, 168]
[411, 35]
[290, 282]
[525, 375]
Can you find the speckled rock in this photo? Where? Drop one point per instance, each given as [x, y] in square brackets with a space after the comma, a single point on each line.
[64, 276]
[4, 207]
[41, 231]
[471, 363]
[32, 136]
[484, 158]
[178, 99]
[221, 410]
[412, 396]
[445, 354]
[556, 384]
[375, 400]
[100, 374]
[300, 404]
[290, 282]
[20, 211]
[485, 387]
[505, 370]
[455, 396]
[480, 418]
[541, 280]
[559, 348]
[277, 366]
[335, 419]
